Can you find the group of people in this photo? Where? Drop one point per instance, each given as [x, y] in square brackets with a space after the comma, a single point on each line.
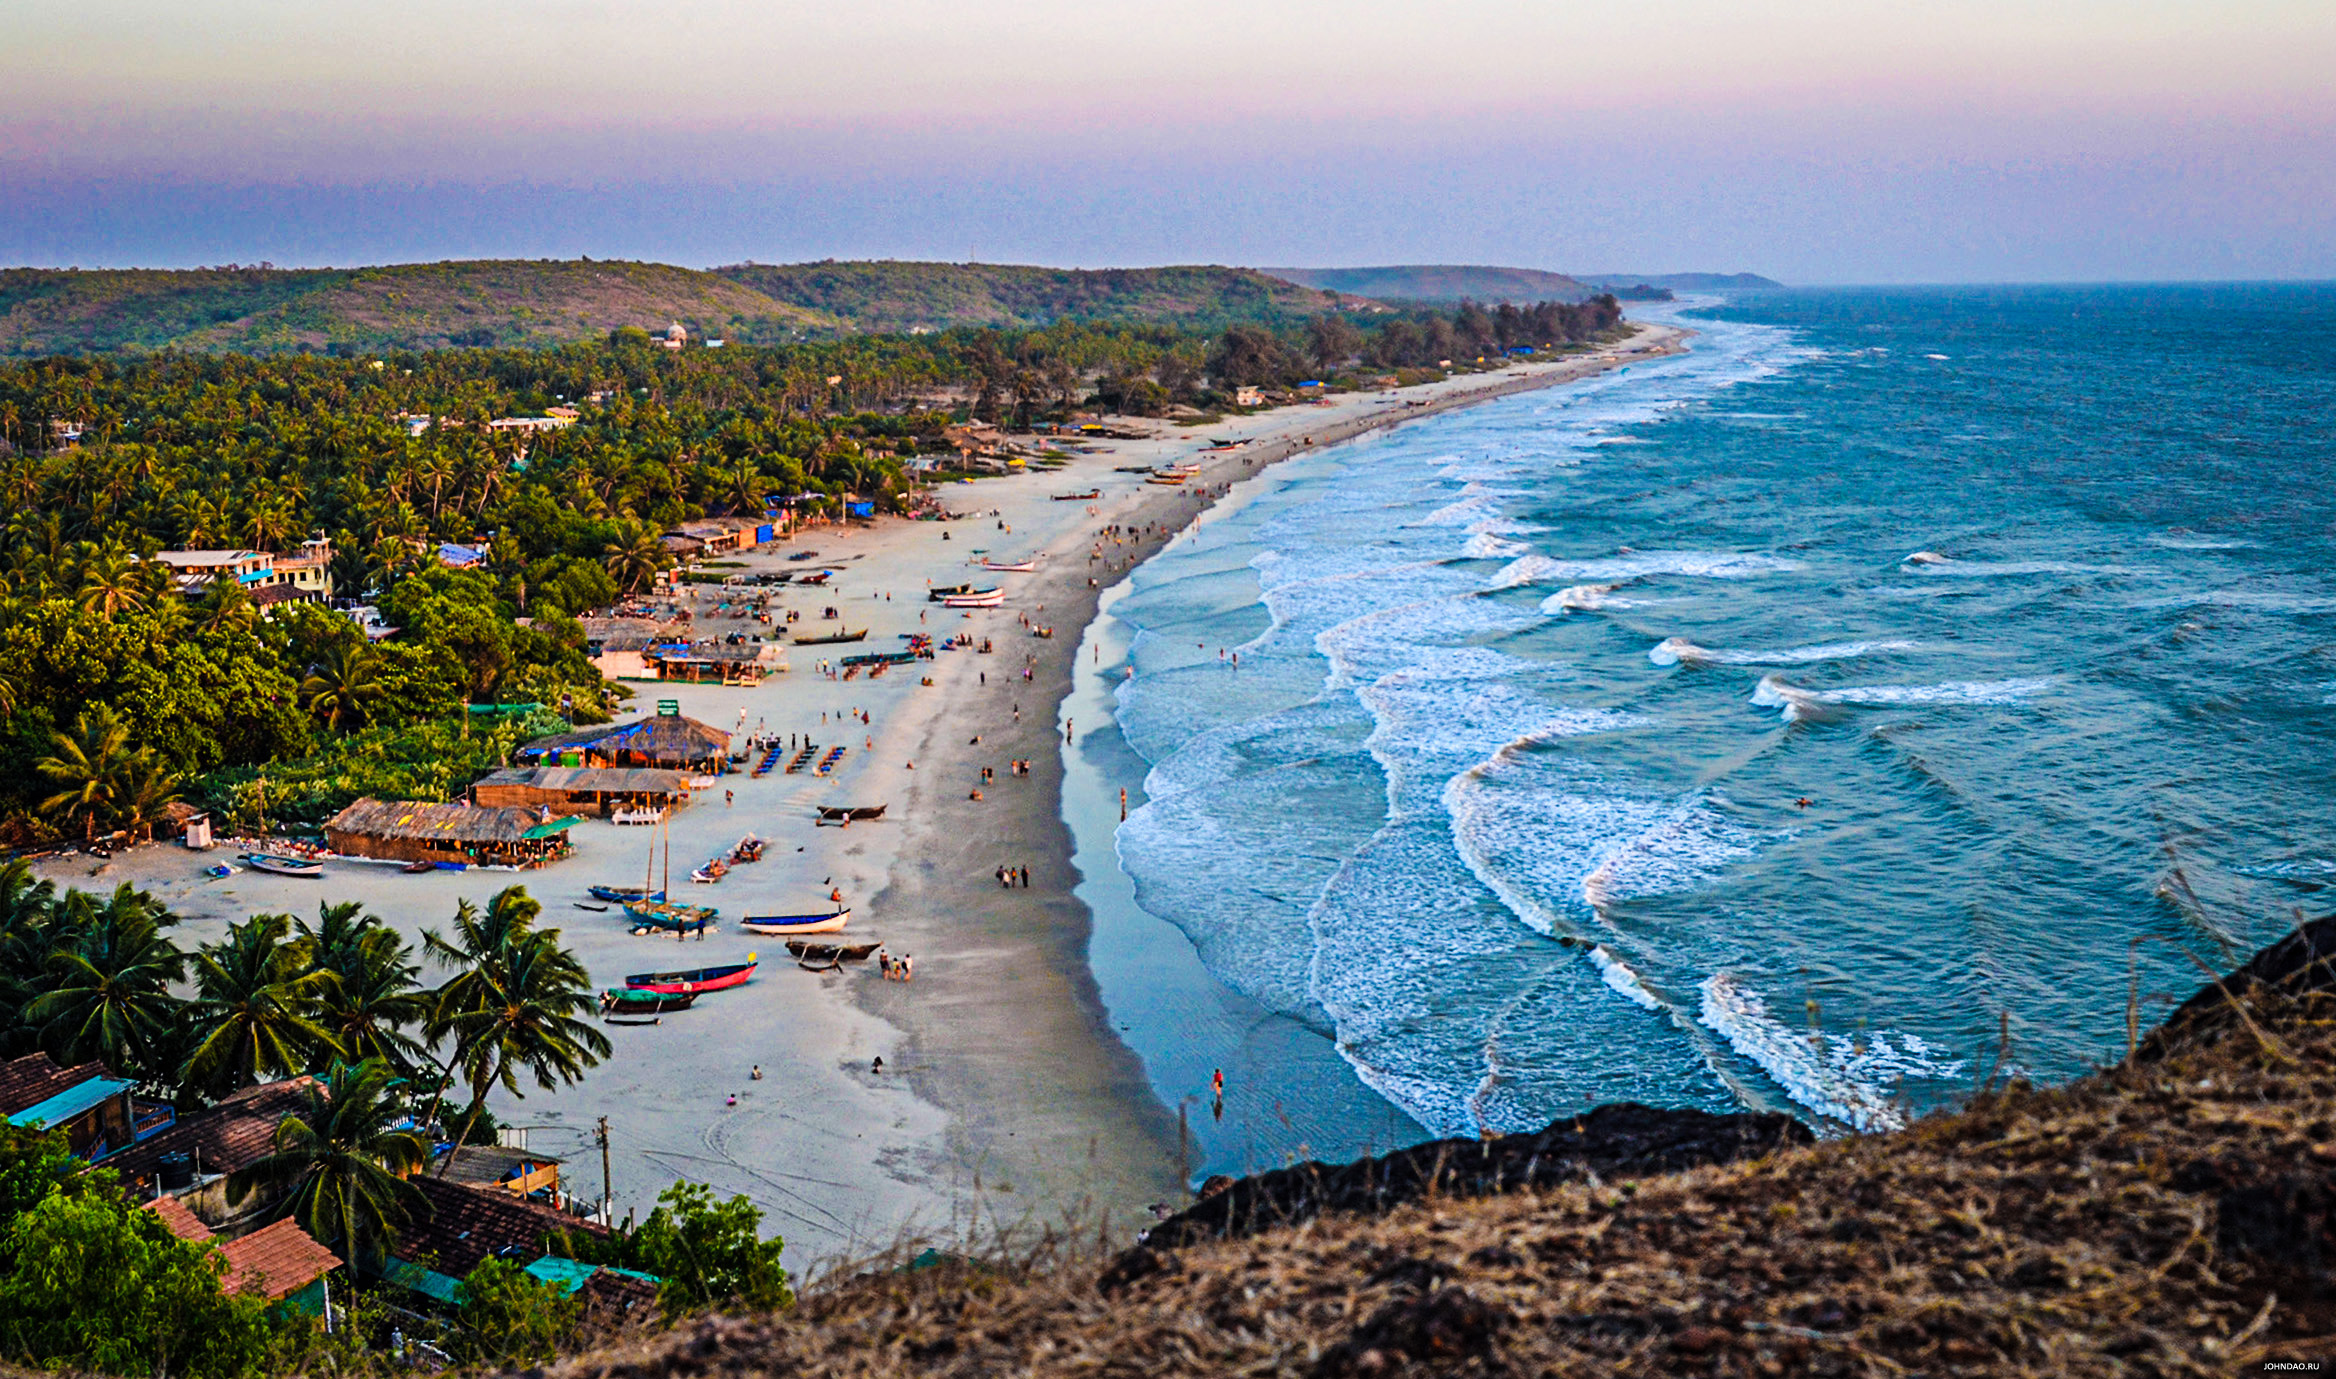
[1010, 877]
[900, 969]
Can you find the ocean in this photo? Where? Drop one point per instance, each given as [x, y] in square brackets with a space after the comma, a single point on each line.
[1879, 697]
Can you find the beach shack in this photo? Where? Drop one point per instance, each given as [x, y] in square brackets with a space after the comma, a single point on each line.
[666, 740]
[594, 790]
[90, 1107]
[715, 663]
[459, 834]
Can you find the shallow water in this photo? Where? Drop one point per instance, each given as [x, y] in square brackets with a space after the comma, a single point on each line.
[1762, 727]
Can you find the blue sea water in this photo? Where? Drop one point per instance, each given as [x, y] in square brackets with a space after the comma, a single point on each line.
[1773, 726]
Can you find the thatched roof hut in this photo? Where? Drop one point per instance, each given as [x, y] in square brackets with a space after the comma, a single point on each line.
[667, 740]
[406, 831]
[580, 789]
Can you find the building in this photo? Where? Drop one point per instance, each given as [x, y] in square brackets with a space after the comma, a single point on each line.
[468, 1225]
[306, 577]
[94, 1110]
[675, 336]
[715, 662]
[666, 740]
[460, 834]
[504, 1168]
[457, 556]
[580, 789]
[280, 1261]
[719, 533]
[1248, 397]
[189, 1161]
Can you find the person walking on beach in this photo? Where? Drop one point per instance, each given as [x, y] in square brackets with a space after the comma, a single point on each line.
[908, 967]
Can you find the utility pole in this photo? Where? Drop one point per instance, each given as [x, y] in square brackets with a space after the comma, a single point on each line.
[607, 1200]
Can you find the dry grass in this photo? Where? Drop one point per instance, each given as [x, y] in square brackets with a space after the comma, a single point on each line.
[2173, 1217]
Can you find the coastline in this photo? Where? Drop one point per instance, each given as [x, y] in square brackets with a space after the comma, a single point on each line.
[1007, 1098]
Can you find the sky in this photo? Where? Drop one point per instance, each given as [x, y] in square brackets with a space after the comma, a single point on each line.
[1815, 141]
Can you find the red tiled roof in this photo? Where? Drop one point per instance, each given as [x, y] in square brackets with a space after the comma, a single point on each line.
[34, 1078]
[610, 1298]
[229, 1136]
[469, 1224]
[183, 1223]
[276, 1259]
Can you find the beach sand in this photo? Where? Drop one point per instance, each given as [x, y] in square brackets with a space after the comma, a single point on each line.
[1005, 1099]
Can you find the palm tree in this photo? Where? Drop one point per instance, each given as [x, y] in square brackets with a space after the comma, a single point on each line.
[255, 1008]
[91, 763]
[343, 1167]
[27, 932]
[109, 979]
[113, 583]
[514, 1004]
[339, 687]
[148, 791]
[634, 559]
[372, 998]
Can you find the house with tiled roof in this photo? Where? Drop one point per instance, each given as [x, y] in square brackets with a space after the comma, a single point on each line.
[191, 1159]
[467, 1225]
[93, 1109]
[280, 1261]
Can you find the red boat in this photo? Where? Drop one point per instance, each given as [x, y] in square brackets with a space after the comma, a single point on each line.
[694, 980]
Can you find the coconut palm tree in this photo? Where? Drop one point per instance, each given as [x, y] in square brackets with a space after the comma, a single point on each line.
[513, 1004]
[634, 559]
[255, 1008]
[342, 1166]
[108, 982]
[91, 764]
[148, 790]
[27, 933]
[339, 687]
[113, 582]
[372, 999]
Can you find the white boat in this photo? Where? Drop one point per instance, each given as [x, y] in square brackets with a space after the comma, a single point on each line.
[796, 924]
[993, 599]
[1018, 567]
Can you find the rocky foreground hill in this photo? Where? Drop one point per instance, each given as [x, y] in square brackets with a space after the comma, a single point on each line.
[2172, 1215]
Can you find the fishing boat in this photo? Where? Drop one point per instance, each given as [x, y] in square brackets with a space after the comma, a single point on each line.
[625, 1001]
[1078, 497]
[816, 577]
[881, 658]
[833, 638]
[1132, 469]
[1167, 480]
[940, 592]
[623, 893]
[418, 867]
[596, 909]
[838, 813]
[665, 916]
[1010, 567]
[813, 950]
[284, 866]
[826, 923]
[991, 599]
[695, 979]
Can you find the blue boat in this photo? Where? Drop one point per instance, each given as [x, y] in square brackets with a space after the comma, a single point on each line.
[624, 893]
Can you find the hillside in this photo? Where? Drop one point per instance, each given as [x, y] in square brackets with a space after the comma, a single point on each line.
[892, 296]
[536, 303]
[416, 306]
[2173, 1215]
[1442, 283]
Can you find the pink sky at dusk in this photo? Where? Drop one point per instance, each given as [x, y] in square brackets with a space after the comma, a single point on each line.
[1824, 141]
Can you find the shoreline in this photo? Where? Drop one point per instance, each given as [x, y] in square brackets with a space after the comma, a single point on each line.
[1007, 1098]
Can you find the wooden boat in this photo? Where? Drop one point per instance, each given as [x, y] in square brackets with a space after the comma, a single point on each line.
[694, 979]
[881, 658]
[284, 866]
[1167, 480]
[797, 924]
[813, 950]
[596, 909]
[1132, 469]
[666, 916]
[623, 893]
[992, 599]
[626, 1001]
[816, 577]
[935, 595]
[1078, 497]
[837, 813]
[1014, 567]
[417, 868]
[833, 638]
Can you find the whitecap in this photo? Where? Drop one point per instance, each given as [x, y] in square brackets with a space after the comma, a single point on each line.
[1851, 1081]
[1673, 651]
[1486, 546]
[1943, 565]
[1617, 974]
[1800, 704]
[1583, 598]
[1628, 565]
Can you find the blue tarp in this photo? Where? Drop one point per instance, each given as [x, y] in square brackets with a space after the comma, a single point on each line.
[568, 1275]
[860, 509]
[765, 532]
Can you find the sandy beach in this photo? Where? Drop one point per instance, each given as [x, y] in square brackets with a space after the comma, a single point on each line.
[1005, 1098]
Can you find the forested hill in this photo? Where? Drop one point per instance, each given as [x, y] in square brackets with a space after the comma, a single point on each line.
[892, 296]
[1443, 283]
[418, 306]
[531, 303]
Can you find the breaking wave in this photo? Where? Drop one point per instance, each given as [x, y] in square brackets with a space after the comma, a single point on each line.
[1850, 1080]
[1800, 704]
[1672, 651]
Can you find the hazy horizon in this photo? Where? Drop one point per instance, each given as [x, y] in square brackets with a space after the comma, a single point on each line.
[1818, 143]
